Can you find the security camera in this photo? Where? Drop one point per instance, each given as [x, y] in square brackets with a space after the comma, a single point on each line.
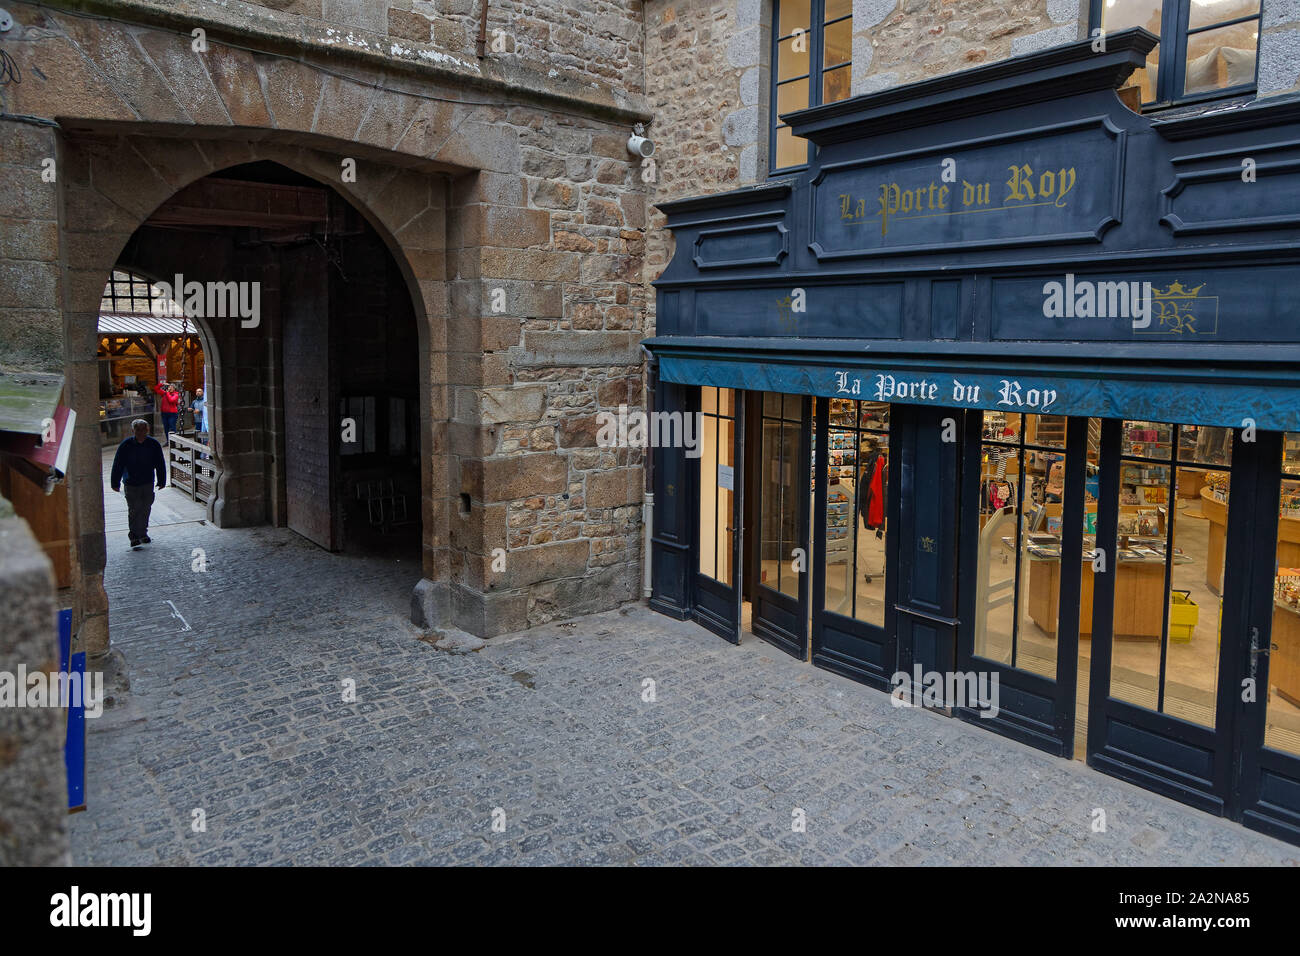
[638, 145]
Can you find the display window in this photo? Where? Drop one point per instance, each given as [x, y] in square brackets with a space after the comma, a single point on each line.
[780, 494]
[1022, 493]
[1174, 498]
[857, 483]
[1282, 714]
[717, 482]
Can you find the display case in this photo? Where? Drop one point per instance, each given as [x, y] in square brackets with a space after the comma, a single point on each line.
[1139, 610]
[117, 413]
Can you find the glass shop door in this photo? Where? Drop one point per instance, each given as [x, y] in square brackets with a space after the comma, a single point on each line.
[717, 592]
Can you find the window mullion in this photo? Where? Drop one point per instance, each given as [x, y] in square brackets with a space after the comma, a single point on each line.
[1173, 43]
[816, 41]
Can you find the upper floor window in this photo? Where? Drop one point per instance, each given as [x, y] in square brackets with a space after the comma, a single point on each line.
[812, 64]
[1207, 47]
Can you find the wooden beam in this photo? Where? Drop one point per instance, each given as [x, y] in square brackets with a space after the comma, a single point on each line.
[231, 202]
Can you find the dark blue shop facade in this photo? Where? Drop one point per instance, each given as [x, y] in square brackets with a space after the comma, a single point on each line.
[1005, 387]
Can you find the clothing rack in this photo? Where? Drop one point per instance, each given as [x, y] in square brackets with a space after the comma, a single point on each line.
[868, 448]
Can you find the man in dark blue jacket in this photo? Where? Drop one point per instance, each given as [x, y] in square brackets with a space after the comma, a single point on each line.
[137, 461]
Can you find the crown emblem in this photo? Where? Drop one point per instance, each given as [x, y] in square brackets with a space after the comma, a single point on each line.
[1176, 290]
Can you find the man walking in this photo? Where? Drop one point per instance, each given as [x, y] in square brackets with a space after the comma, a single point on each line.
[137, 461]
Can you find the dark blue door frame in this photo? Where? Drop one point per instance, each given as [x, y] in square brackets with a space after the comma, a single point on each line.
[1267, 784]
[1033, 709]
[849, 647]
[924, 598]
[715, 605]
[782, 619]
[1175, 757]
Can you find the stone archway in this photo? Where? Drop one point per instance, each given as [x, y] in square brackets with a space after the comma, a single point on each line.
[405, 207]
[482, 180]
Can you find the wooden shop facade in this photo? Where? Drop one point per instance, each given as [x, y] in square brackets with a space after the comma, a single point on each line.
[1004, 387]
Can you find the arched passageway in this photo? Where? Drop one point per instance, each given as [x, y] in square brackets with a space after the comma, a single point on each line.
[315, 424]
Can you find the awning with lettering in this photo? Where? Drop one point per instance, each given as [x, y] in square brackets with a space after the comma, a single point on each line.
[1222, 386]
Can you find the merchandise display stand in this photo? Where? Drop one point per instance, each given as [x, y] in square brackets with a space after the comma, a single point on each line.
[851, 446]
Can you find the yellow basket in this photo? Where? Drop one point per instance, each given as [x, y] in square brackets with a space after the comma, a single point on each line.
[1183, 615]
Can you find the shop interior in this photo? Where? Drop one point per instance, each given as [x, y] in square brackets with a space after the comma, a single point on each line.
[1175, 494]
[1172, 527]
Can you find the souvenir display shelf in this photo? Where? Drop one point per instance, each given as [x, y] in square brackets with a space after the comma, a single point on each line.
[1284, 660]
[1214, 507]
[1148, 439]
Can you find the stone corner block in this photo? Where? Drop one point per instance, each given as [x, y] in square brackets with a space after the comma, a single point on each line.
[1043, 39]
[1279, 61]
[868, 13]
[615, 488]
[494, 406]
[430, 604]
[577, 348]
[506, 478]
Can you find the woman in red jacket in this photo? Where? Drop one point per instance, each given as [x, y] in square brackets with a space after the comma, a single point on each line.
[169, 404]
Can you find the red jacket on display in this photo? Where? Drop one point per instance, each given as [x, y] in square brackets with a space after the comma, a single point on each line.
[871, 491]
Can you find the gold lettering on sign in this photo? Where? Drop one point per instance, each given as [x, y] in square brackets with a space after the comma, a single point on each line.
[898, 201]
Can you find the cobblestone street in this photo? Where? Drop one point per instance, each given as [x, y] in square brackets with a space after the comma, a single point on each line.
[235, 708]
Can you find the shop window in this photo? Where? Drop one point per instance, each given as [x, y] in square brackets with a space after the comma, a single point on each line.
[1018, 580]
[781, 496]
[1173, 517]
[717, 482]
[857, 483]
[1282, 716]
[1207, 47]
[812, 64]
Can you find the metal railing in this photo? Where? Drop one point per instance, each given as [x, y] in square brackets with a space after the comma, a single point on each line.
[191, 468]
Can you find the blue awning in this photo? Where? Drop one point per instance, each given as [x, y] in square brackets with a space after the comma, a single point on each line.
[1234, 394]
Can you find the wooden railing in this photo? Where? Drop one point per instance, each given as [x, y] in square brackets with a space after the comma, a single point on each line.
[191, 468]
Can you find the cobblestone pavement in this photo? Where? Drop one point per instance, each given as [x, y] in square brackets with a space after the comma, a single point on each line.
[241, 716]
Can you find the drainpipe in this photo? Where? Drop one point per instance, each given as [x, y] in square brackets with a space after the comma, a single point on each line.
[648, 505]
[480, 42]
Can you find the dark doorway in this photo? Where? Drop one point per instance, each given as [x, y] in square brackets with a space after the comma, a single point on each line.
[780, 489]
[719, 491]
[855, 506]
[315, 422]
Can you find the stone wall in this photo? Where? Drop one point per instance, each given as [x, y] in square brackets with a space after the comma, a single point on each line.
[512, 209]
[33, 781]
[29, 250]
[1279, 48]
[589, 48]
[547, 266]
[707, 85]
[901, 41]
